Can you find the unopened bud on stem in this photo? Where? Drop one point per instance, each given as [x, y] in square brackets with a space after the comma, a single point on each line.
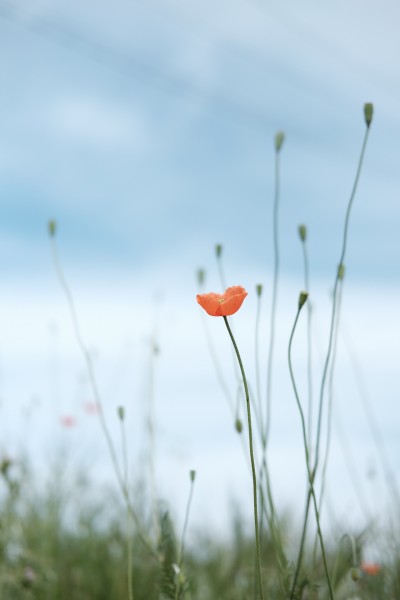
[218, 250]
[200, 276]
[302, 299]
[52, 227]
[368, 113]
[238, 425]
[302, 229]
[279, 139]
[341, 271]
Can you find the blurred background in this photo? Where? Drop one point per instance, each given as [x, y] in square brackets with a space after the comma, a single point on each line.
[146, 131]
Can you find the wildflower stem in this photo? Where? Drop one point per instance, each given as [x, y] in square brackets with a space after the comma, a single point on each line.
[253, 469]
[309, 472]
[334, 302]
[185, 524]
[128, 515]
[309, 346]
[274, 298]
[97, 396]
[335, 291]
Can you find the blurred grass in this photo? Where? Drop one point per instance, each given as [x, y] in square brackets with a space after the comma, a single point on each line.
[64, 541]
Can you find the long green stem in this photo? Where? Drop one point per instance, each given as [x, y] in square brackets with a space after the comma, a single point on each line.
[253, 468]
[309, 472]
[121, 413]
[330, 404]
[334, 303]
[274, 299]
[96, 394]
[185, 524]
[309, 344]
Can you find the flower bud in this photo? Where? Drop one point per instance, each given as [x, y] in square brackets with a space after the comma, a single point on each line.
[192, 475]
[355, 574]
[238, 425]
[302, 229]
[218, 250]
[302, 299]
[51, 227]
[259, 289]
[121, 412]
[368, 113]
[279, 139]
[201, 275]
[341, 271]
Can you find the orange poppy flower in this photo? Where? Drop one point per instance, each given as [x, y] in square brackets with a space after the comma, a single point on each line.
[223, 305]
[370, 568]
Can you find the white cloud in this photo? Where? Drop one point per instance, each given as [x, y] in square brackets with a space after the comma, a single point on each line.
[97, 122]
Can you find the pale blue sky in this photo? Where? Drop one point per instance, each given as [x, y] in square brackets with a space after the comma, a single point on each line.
[147, 131]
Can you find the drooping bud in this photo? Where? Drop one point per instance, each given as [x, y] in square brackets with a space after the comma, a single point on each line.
[192, 475]
[218, 250]
[52, 227]
[302, 299]
[259, 289]
[238, 425]
[302, 229]
[279, 139]
[355, 574]
[368, 113]
[121, 413]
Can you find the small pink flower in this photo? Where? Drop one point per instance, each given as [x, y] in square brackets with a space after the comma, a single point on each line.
[68, 422]
[92, 408]
[370, 568]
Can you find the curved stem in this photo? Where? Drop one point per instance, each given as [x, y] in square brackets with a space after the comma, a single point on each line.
[309, 347]
[274, 298]
[309, 472]
[253, 469]
[334, 304]
[96, 393]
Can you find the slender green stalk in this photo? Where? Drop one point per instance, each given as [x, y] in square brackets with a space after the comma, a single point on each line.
[95, 390]
[330, 402]
[253, 469]
[185, 524]
[278, 144]
[301, 548]
[121, 414]
[150, 429]
[311, 474]
[334, 303]
[257, 353]
[368, 119]
[303, 238]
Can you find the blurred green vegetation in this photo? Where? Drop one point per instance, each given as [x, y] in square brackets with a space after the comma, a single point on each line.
[61, 541]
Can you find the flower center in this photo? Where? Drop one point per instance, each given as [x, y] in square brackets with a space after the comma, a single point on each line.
[221, 300]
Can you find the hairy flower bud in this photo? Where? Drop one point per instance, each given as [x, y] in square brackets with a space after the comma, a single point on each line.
[368, 113]
[302, 299]
[302, 229]
[279, 139]
[52, 227]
